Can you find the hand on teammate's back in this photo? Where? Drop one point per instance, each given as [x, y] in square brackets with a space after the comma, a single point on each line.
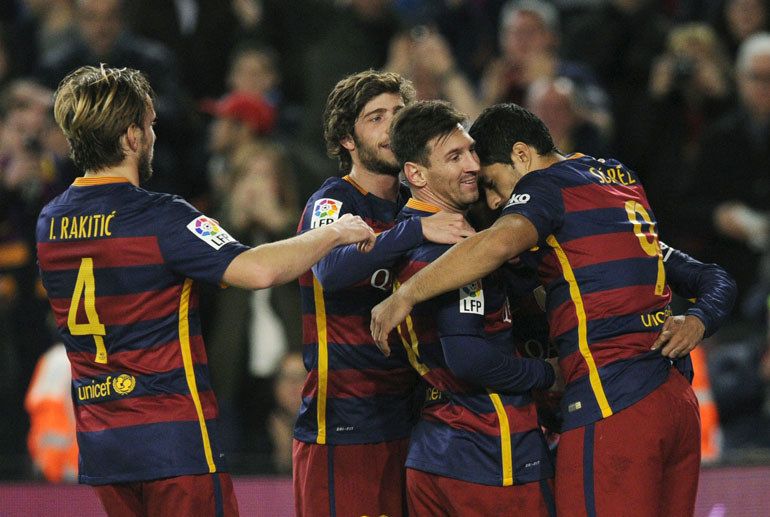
[446, 228]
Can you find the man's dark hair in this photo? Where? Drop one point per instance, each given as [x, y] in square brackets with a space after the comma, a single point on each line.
[417, 124]
[346, 101]
[502, 125]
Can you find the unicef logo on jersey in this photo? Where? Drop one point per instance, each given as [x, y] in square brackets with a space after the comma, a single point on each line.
[517, 199]
[206, 227]
[325, 211]
[472, 298]
[124, 384]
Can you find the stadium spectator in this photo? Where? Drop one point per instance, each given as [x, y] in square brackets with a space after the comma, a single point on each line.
[690, 88]
[425, 57]
[621, 387]
[736, 20]
[455, 20]
[287, 392]
[42, 25]
[732, 193]
[31, 174]
[618, 40]
[51, 441]
[254, 69]
[557, 102]
[740, 391]
[103, 37]
[120, 265]
[251, 331]
[478, 401]
[240, 119]
[530, 37]
[357, 409]
[354, 36]
[197, 32]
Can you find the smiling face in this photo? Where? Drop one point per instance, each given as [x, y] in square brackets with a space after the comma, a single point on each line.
[369, 145]
[450, 178]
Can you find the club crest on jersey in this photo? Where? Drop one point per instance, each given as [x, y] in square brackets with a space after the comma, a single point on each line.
[325, 211]
[208, 230]
[517, 199]
[472, 298]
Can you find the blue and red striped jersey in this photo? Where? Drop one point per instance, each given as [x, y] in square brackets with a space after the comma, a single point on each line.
[467, 430]
[119, 264]
[599, 258]
[353, 393]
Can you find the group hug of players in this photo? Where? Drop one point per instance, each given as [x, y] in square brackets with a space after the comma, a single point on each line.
[473, 444]
[417, 400]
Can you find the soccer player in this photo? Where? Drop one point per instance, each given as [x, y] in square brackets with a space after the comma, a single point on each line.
[358, 407]
[630, 444]
[120, 265]
[477, 449]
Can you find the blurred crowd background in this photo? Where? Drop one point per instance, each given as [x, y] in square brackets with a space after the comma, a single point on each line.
[679, 90]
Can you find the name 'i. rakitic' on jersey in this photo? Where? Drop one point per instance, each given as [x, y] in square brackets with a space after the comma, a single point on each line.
[80, 226]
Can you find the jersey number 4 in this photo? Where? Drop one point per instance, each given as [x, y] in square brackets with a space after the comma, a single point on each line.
[85, 288]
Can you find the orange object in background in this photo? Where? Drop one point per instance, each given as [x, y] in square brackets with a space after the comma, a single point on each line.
[52, 441]
[709, 419]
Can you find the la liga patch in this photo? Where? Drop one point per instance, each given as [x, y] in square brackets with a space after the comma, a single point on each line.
[209, 231]
[325, 211]
[472, 298]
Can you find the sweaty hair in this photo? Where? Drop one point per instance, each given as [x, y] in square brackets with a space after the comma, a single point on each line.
[417, 124]
[348, 98]
[502, 125]
[94, 107]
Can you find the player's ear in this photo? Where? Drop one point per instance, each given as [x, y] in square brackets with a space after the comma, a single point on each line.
[129, 139]
[348, 143]
[415, 174]
[521, 154]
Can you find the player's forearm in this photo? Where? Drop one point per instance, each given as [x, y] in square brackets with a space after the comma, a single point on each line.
[474, 258]
[474, 360]
[279, 262]
[711, 286]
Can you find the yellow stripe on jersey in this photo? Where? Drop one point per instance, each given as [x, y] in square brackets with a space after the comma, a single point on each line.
[577, 300]
[184, 344]
[505, 438]
[323, 359]
[411, 343]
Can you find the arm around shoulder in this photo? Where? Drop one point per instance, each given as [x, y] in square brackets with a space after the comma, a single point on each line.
[279, 262]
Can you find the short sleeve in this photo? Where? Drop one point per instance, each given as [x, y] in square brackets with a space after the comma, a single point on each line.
[192, 244]
[325, 207]
[539, 199]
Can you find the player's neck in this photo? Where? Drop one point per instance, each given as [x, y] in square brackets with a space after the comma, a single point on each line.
[540, 161]
[122, 170]
[428, 197]
[381, 185]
